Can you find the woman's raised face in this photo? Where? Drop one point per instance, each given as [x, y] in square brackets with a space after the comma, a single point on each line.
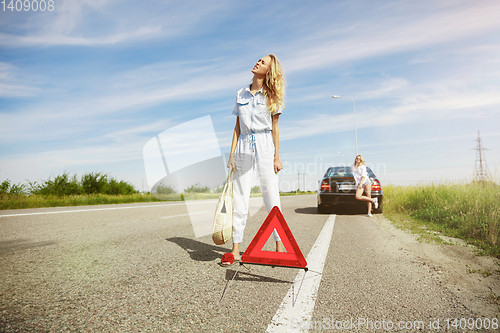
[262, 66]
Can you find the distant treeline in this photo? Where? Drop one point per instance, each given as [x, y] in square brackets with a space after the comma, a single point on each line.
[66, 185]
[160, 188]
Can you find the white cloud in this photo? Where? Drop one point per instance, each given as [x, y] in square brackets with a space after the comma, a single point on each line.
[383, 35]
[66, 113]
[58, 39]
[98, 154]
[100, 23]
[413, 106]
[135, 131]
[11, 85]
[386, 87]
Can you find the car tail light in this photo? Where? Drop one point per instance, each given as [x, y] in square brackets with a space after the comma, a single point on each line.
[376, 185]
[325, 186]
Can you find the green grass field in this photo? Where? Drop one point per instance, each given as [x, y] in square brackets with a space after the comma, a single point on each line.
[20, 201]
[467, 211]
[93, 188]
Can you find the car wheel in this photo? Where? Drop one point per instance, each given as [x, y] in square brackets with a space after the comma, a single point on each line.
[379, 209]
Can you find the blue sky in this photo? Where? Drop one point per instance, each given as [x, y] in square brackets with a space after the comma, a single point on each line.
[84, 87]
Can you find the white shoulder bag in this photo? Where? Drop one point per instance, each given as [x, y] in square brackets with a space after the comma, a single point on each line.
[223, 221]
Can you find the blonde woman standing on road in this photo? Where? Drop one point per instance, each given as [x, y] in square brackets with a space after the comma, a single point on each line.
[363, 183]
[255, 144]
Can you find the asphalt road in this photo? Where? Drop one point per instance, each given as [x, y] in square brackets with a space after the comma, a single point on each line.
[138, 268]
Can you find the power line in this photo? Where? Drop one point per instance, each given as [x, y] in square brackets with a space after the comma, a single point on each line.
[299, 180]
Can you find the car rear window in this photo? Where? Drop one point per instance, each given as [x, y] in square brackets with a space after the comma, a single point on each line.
[339, 172]
[370, 173]
[345, 172]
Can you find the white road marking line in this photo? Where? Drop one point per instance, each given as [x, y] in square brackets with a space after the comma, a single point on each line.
[289, 318]
[98, 209]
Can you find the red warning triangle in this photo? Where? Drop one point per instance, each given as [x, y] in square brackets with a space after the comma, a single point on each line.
[254, 254]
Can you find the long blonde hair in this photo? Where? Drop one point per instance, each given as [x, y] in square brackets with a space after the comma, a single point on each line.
[274, 85]
[361, 160]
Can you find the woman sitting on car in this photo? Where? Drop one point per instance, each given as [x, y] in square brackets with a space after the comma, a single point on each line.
[362, 181]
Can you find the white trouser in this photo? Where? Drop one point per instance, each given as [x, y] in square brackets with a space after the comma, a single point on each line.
[254, 151]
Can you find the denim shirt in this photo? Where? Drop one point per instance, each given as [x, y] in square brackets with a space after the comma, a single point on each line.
[253, 113]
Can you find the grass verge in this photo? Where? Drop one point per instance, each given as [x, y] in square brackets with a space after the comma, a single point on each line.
[467, 211]
[15, 201]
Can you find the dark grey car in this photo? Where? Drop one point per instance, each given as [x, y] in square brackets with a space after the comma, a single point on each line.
[337, 189]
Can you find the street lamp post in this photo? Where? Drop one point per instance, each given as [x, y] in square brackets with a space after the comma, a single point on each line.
[355, 132]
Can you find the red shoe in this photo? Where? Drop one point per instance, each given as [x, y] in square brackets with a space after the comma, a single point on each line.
[227, 259]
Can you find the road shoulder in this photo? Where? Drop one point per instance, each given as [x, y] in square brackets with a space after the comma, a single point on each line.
[474, 279]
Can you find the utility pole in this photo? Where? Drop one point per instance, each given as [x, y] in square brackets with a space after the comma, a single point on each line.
[299, 181]
[480, 168]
